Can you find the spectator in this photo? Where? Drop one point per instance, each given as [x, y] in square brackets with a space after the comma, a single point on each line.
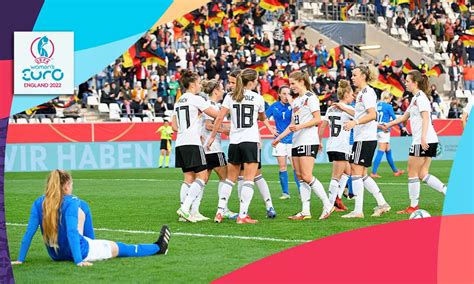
[350, 65]
[455, 110]
[454, 77]
[469, 77]
[278, 36]
[400, 22]
[301, 41]
[160, 107]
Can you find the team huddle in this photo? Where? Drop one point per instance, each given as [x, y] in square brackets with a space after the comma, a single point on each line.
[353, 134]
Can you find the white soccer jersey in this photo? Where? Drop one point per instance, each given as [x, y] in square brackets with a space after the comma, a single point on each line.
[244, 115]
[303, 108]
[366, 99]
[188, 110]
[216, 145]
[338, 140]
[418, 104]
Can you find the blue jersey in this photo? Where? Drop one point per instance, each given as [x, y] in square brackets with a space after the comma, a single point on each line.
[385, 114]
[72, 245]
[282, 115]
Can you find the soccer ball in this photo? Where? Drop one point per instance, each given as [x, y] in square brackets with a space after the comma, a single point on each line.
[420, 213]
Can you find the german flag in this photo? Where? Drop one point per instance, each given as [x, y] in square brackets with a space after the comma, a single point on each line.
[262, 51]
[241, 9]
[324, 97]
[403, 2]
[130, 57]
[397, 88]
[260, 67]
[345, 12]
[334, 54]
[435, 70]
[467, 40]
[269, 99]
[408, 66]
[322, 69]
[463, 8]
[185, 20]
[381, 83]
[272, 5]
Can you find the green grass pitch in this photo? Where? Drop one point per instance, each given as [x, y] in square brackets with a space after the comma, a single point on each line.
[133, 204]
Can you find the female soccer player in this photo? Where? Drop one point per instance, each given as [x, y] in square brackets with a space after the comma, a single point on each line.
[215, 156]
[165, 148]
[281, 112]
[245, 107]
[338, 147]
[425, 140]
[385, 114]
[365, 142]
[66, 225]
[190, 156]
[305, 145]
[466, 113]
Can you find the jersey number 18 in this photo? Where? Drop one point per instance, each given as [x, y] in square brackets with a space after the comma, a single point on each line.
[244, 115]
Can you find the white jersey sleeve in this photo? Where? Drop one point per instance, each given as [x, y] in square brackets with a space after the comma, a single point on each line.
[227, 103]
[303, 109]
[468, 107]
[423, 104]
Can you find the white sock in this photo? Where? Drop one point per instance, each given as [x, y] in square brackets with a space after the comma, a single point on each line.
[183, 192]
[246, 198]
[305, 194]
[333, 190]
[318, 189]
[435, 183]
[414, 191]
[240, 181]
[342, 184]
[262, 186]
[225, 189]
[358, 190]
[193, 193]
[372, 187]
[197, 202]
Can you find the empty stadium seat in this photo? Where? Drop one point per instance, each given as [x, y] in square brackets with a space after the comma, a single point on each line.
[467, 93]
[69, 120]
[46, 120]
[169, 113]
[33, 120]
[92, 101]
[136, 119]
[21, 121]
[426, 50]
[103, 108]
[437, 57]
[460, 94]
[415, 44]
[158, 119]
[124, 119]
[146, 119]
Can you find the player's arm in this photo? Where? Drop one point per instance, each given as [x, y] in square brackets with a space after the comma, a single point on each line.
[159, 129]
[313, 122]
[425, 116]
[393, 117]
[31, 229]
[282, 135]
[174, 124]
[345, 109]
[322, 126]
[398, 120]
[217, 124]
[208, 123]
[371, 115]
[262, 117]
[464, 118]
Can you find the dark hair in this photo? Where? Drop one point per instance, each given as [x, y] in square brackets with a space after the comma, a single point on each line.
[234, 73]
[302, 76]
[188, 77]
[421, 81]
[282, 88]
[243, 78]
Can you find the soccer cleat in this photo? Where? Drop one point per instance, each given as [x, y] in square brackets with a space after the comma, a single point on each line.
[326, 213]
[372, 175]
[199, 217]
[271, 213]
[408, 210]
[300, 216]
[347, 194]
[218, 218]
[285, 196]
[339, 205]
[230, 215]
[353, 214]
[399, 173]
[380, 210]
[185, 216]
[181, 219]
[163, 240]
[246, 220]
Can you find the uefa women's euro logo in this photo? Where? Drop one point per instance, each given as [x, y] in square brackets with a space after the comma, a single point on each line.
[42, 49]
[44, 63]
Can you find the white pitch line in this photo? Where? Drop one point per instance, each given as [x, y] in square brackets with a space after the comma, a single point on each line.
[174, 180]
[189, 235]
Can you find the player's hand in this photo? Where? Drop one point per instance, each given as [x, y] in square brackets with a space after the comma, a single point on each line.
[16, 262]
[294, 127]
[273, 131]
[321, 146]
[275, 142]
[209, 142]
[338, 105]
[349, 125]
[85, 263]
[383, 127]
[424, 145]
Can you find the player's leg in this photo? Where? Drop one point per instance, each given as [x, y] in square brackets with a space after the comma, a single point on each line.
[168, 154]
[414, 165]
[378, 159]
[195, 205]
[264, 190]
[119, 249]
[430, 179]
[224, 196]
[357, 172]
[250, 171]
[307, 164]
[338, 168]
[372, 187]
[305, 193]
[283, 175]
